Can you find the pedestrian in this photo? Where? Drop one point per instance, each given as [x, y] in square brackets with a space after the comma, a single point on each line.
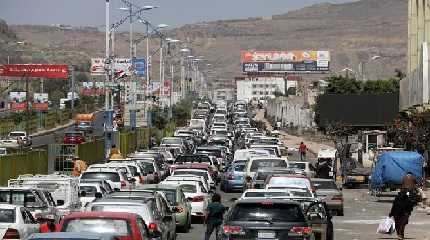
[79, 166]
[214, 217]
[302, 149]
[248, 183]
[115, 153]
[400, 211]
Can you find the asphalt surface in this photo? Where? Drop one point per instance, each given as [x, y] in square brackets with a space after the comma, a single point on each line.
[58, 135]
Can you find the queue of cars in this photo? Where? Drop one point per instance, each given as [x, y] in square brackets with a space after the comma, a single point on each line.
[156, 193]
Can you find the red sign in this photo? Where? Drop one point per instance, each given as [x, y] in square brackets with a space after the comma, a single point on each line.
[40, 106]
[14, 106]
[92, 91]
[35, 70]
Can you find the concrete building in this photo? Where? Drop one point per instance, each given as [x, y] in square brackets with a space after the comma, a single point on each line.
[262, 87]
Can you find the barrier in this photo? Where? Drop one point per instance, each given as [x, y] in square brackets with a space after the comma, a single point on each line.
[92, 152]
[13, 165]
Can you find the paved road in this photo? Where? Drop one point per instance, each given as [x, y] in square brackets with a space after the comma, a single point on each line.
[50, 138]
[362, 216]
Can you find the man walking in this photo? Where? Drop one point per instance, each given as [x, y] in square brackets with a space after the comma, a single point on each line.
[302, 149]
[214, 216]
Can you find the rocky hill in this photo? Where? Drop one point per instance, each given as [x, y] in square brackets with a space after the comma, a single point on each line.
[353, 32]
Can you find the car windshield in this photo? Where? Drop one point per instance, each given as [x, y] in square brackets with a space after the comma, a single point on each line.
[7, 215]
[267, 211]
[112, 176]
[298, 165]
[90, 191]
[256, 164]
[216, 152]
[2, 151]
[292, 182]
[100, 226]
[188, 188]
[190, 172]
[325, 184]
[16, 134]
[193, 159]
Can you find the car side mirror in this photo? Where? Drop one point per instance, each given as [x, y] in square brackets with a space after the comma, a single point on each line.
[98, 195]
[60, 202]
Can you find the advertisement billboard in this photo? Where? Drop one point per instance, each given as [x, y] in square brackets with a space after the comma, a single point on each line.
[97, 66]
[139, 67]
[17, 97]
[35, 70]
[122, 67]
[18, 106]
[285, 61]
[40, 97]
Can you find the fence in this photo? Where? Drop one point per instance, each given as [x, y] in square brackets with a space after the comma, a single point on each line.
[13, 165]
[92, 152]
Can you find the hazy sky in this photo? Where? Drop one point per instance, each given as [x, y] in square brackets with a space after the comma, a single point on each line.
[171, 12]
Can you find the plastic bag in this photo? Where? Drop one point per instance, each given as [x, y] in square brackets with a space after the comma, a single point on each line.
[386, 226]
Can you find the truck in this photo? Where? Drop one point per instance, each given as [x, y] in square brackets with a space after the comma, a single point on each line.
[85, 123]
[63, 189]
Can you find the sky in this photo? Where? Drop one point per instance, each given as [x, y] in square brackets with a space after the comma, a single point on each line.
[171, 12]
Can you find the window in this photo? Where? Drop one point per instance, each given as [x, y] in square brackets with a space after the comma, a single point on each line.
[254, 85]
[27, 217]
[106, 226]
[276, 212]
[142, 228]
[254, 92]
[7, 215]
[113, 176]
[256, 164]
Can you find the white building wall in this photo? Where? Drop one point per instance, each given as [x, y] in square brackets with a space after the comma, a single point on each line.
[260, 88]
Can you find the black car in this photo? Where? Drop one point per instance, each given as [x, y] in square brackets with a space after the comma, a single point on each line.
[266, 219]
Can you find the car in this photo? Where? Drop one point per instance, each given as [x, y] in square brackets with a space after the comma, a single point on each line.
[285, 193]
[246, 154]
[328, 192]
[22, 136]
[255, 163]
[88, 192]
[354, 173]
[120, 224]
[197, 172]
[150, 168]
[116, 179]
[280, 181]
[232, 179]
[71, 236]
[266, 219]
[320, 218]
[38, 201]
[177, 198]
[303, 168]
[16, 222]
[74, 137]
[259, 179]
[146, 208]
[201, 180]
[196, 194]
[275, 150]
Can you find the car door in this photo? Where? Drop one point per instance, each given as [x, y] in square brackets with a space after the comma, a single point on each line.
[319, 216]
[167, 216]
[29, 224]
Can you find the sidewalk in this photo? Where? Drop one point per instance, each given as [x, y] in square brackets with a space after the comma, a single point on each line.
[292, 141]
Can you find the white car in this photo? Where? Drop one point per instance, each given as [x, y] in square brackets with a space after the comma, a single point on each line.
[263, 162]
[116, 179]
[194, 178]
[16, 139]
[197, 172]
[305, 168]
[16, 222]
[286, 193]
[246, 154]
[289, 181]
[88, 190]
[196, 194]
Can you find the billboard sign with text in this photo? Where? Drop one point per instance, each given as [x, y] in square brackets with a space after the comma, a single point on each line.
[285, 61]
[35, 70]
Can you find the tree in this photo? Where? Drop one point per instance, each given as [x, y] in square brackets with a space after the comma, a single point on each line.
[343, 85]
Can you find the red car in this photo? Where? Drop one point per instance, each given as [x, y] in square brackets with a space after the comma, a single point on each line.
[74, 138]
[124, 226]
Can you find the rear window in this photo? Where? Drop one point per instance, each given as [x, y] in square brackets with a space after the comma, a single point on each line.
[101, 226]
[193, 159]
[171, 141]
[298, 165]
[194, 173]
[274, 212]
[216, 152]
[239, 168]
[7, 215]
[291, 182]
[90, 191]
[267, 194]
[148, 167]
[256, 164]
[188, 188]
[114, 177]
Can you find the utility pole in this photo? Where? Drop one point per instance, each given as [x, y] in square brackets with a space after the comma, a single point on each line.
[161, 70]
[108, 103]
[170, 115]
[72, 87]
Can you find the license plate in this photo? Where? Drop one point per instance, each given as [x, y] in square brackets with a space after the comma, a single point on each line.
[266, 235]
[359, 178]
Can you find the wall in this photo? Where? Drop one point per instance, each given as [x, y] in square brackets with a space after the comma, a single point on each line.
[290, 112]
[418, 30]
[256, 87]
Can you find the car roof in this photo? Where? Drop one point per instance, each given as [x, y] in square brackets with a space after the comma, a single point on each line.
[322, 180]
[282, 201]
[122, 215]
[158, 186]
[199, 166]
[9, 206]
[120, 201]
[71, 235]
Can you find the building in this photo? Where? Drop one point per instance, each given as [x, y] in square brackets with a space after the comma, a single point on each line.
[262, 87]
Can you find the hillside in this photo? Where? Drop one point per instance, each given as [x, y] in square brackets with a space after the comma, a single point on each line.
[353, 32]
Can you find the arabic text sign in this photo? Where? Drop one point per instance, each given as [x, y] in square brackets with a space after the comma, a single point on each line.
[35, 70]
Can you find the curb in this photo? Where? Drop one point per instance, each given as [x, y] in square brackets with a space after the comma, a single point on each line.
[47, 132]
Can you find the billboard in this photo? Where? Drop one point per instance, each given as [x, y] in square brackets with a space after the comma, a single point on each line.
[35, 70]
[17, 97]
[139, 67]
[285, 61]
[40, 97]
[97, 66]
[18, 106]
[364, 110]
